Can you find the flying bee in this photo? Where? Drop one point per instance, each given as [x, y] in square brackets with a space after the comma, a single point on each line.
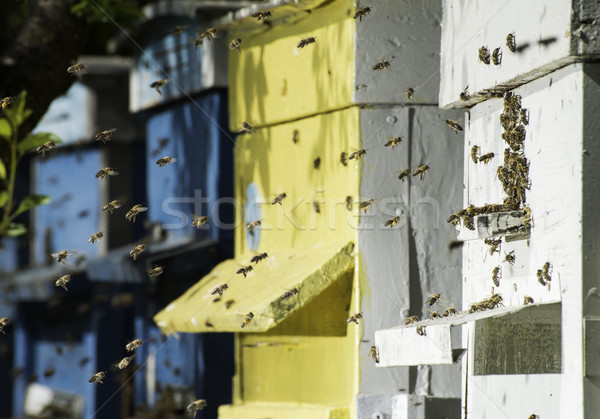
[421, 170]
[510, 257]
[6, 102]
[317, 163]
[360, 13]
[95, 237]
[349, 203]
[546, 271]
[450, 311]
[98, 377]
[433, 299]
[235, 44]
[486, 158]
[155, 272]
[134, 211]
[527, 300]
[484, 55]
[380, 66]
[290, 293]
[219, 290]
[524, 114]
[474, 154]
[105, 136]
[454, 220]
[165, 160]
[193, 407]
[279, 198]
[496, 276]
[106, 172]
[410, 93]
[198, 221]
[403, 175]
[306, 41]
[316, 207]
[393, 142]
[374, 353]
[497, 56]
[159, 84]
[365, 205]
[76, 68]
[251, 226]
[391, 223]
[511, 42]
[197, 42]
[454, 125]
[178, 29]
[208, 34]
[228, 304]
[62, 255]
[44, 148]
[296, 136]
[261, 15]
[135, 252]
[49, 372]
[133, 345]
[247, 319]
[344, 158]
[247, 129]
[244, 270]
[257, 258]
[3, 323]
[63, 281]
[354, 318]
[356, 155]
[410, 320]
[464, 95]
[421, 330]
[124, 363]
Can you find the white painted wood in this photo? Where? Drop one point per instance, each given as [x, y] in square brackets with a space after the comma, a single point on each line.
[403, 346]
[408, 406]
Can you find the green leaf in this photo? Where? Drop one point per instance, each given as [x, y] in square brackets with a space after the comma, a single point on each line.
[2, 171]
[36, 140]
[16, 112]
[3, 198]
[15, 230]
[5, 130]
[31, 201]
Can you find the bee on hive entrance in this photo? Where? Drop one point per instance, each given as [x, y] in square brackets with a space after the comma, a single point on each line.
[106, 172]
[360, 13]
[421, 170]
[75, 69]
[510, 257]
[511, 42]
[527, 300]
[391, 223]
[464, 95]
[198, 221]
[450, 311]
[484, 55]
[410, 320]
[485, 159]
[380, 66]
[159, 84]
[474, 154]
[496, 274]
[497, 56]
[344, 158]
[290, 293]
[454, 125]
[306, 41]
[546, 271]
[165, 160]
[247, 319]
[421, 330]
[134, 253]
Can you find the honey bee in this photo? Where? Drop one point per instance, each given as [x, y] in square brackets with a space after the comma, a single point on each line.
[247, 319]
[380, 66]
[524, 114]
[403, 175]
[105, 136]
[3, 323]
[410, 320]
[235, 44]
[454, 125]
[178, 29]
[433, 299]
[228, 304]
[290, 293]
[511, 42]
[454, 219]
[155, 272]
[421, 170]
[244, 270]
[510, 257]
[421, 330]
[474, 153]
[208, 34]
[317, 207]
[133, 345]
[365, 205]
[259, 257]
[450, 311]
[106, 172]
[247, 129]
[63, 281]
[496, 276]
[349, 203]
[251, 226]
[296, 136]
[279, 198]
[6, 102]
[165, 160]
[360, 13]
[197, 42]
[124, 363]
[261, 15]
[527, 300]
[193, 407]
[134, 253]
[98, 377]
[434, 315]
[49, 372]
[464, 95]
[486, 158]
[61, 256]
[344, 158]
[356, 155]
[76, 68]
[95, 237]
[44, 148]
[134, 211]
[374, 353]
[497, 56]
[540, 277]
[410, 93]
[219, 290]
[391, 223]
[354, 318]
[306, 41]
[527, 217]
[317, 162]
[546, 271]
[198, 221]
[393, 142]
[159, 84]
[484, 55]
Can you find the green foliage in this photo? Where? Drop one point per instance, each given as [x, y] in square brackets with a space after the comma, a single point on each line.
[15, 230]
[5, 131]
[126, 12]
[17, 113]
[31, 201]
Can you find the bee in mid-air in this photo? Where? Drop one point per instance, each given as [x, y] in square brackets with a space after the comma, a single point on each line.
[3, 323]
[421, 170]
[62, 255]
[111, 206]
[494, 245]
[497, 56]
[510, 257]
[356, 155]
[247, 129]
[193, 407]
[63, 281]
[421, 330]
[279, 198]
[95, 237]
[365, 205]
[464, 95]
[454, 220]
[474, 154]
[219, 290]
[105, 136]
[317, 162]
[49, 372]
[496, 276]
[244, 270]
[393, 142]
[159, 84]
[261, 15]
[454, 125]
[317, 207]
[290, 293]
[306, 41]
[163, 161]
[433, 299]
[296, 136]
[198, 221]
[484, 55]
[134, 253]
[486, 158]
[546, 271]
[349, 203]
[251, 226]
[98, 377]
[511, 42]
[410, 320]
[235, 44]
[257, 258]
[527, 300]
[228, 304]
[410, 93]
[374, 353]
[403, 175]
[354, 318]
[6, 102]
[360, 13]
[134, 211]
[44, 148]
[178, 29]
[76, 68]
[247, 319]
[155, 272]
[392, 222]
[106, 172]
[124, 363]
[133, 345]
[344, 158]
[380, 66]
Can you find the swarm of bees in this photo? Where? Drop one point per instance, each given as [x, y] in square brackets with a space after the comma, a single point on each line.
[63, 281]
[134, 211]
[106, 172]
[360, 13]
[247, 319]
[306, 41]
[354, 318]
[163, 161]
[135, 252]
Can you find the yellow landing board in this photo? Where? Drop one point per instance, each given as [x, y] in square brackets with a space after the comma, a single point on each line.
[282, 411]
[310, 269]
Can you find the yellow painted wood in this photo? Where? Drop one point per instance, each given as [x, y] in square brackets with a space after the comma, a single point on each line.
[282, 411]
[272, 81]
